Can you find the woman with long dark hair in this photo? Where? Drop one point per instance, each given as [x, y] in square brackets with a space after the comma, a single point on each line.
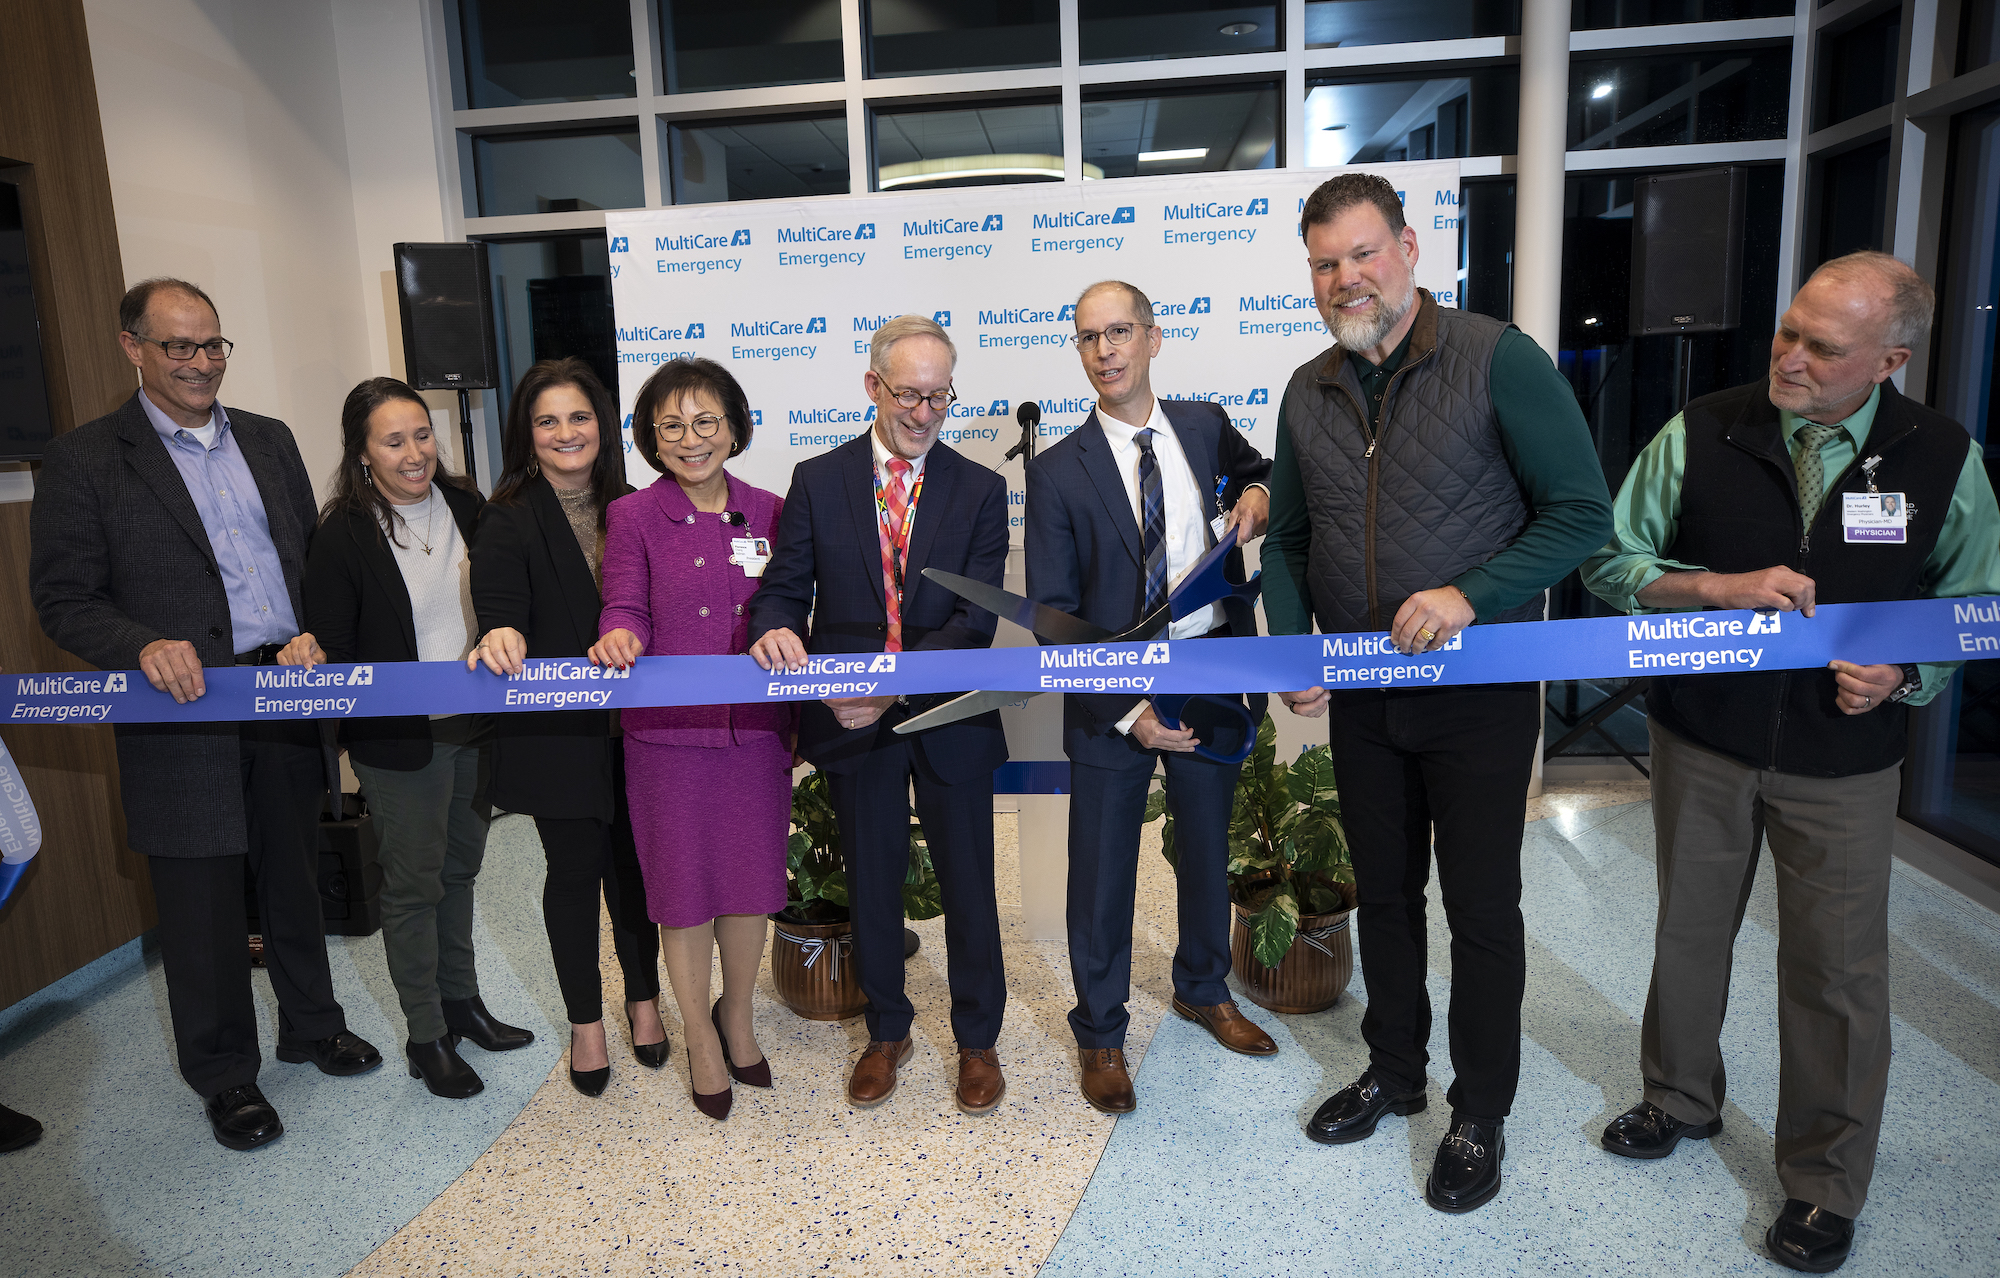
[711, 786]
[536, 569]
[388, 578]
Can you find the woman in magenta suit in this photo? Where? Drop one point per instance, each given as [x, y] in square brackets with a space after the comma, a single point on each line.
[710, 787]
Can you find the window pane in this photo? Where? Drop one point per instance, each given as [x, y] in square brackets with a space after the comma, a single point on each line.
[558, 172]
[747, 43]
[1352, 22]
[1979, 37]
[1853, 197]
[759, 159]
[1369, 121]
[1596, 15]
[972, 146]
[1130, 30]
[521, 51]
[1184, 133]
[1951, 780]
[1679, 99]
[552, 298]
[911, 37]
[1858, 69]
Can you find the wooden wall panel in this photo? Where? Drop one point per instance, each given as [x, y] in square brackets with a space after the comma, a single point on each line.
[86, 894]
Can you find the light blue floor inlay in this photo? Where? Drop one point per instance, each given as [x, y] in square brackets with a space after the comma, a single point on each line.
[1214, 1176]
[127, 1179]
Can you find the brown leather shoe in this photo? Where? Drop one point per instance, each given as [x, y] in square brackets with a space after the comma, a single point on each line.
[1106, 1084]
[1231, 1028]
[874, 1079]
[981, 1085]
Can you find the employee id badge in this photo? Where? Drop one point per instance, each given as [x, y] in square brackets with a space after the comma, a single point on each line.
[750, 553]
[1883, 517]
[1218, 526]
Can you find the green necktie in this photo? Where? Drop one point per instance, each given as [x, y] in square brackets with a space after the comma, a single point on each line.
[1812, 474]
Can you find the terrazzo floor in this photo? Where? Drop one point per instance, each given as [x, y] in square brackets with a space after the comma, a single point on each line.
[1211, 1176]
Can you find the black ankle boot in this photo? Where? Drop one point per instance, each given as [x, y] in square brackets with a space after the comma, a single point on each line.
[438, 1064]
[469, 1019]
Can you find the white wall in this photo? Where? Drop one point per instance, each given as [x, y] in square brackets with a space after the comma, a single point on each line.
[271, 151]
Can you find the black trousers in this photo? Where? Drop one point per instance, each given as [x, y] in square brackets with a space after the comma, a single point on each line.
[1106, 807]
[1410, 761]
[872, 803]
[586, 857]
[204, 928]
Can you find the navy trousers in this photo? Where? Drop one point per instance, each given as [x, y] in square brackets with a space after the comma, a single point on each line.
[1105, 809]
[872, 804]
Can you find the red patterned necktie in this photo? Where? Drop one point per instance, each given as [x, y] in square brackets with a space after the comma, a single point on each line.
[894, 529]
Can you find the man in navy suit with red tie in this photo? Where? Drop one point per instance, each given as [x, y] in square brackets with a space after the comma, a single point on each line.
[1117, 513]
[860, 525]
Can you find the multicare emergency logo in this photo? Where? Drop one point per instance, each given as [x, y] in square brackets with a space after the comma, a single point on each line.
[951, 239]
[1210, 223]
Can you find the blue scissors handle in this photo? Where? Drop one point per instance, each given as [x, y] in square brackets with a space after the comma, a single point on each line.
[1169, 708]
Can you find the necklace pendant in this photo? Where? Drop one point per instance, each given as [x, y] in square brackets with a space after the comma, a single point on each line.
[427, 550]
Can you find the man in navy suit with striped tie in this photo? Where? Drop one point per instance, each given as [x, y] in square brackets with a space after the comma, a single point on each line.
[1116, 513]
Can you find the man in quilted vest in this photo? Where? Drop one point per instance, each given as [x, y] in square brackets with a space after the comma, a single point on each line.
[1432, 470]
[1818, 483]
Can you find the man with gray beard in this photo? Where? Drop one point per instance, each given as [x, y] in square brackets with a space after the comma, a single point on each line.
[1432, 471]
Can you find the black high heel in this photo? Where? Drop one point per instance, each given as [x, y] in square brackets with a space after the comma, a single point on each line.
[758, 1075]
[591, 1082]
[651, 1055]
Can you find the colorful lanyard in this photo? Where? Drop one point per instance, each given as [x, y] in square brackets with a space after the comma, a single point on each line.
[899, 541]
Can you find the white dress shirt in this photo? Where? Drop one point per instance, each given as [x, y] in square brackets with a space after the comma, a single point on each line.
[1188, 537]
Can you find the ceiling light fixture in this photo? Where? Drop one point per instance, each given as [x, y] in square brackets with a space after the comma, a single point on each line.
[958, 168]
[1601, 91]
[1237, 28]
[1185, 153]
[1332, 128]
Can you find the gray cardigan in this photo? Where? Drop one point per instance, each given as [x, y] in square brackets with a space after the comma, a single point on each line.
[119, 559]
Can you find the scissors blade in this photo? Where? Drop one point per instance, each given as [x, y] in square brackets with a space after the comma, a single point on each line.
[1039, 619]
[964, 707]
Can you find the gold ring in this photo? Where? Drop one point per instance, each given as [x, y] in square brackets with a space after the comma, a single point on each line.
[1426, 635]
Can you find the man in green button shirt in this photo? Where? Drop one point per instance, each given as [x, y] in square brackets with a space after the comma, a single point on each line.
[1431, 470]
[1818, 484]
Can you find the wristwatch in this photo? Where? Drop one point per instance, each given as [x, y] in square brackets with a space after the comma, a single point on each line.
[1913, 683]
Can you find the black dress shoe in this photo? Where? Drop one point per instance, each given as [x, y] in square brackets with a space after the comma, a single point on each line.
[911, 942]
[469, 1019]
[441, 1068]
[242, 1118]
[1647, 1131]
[1351, 1113]
[338, 1054]
[1466, 1172]
[17, 1130]
[1809, 1238]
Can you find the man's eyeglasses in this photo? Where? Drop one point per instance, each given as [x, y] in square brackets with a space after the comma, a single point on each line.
[180, 352]
[705, 427]
[938, 400]
[1117, 335]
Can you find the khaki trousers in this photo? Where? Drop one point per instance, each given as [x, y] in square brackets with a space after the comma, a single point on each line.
[1830, 840]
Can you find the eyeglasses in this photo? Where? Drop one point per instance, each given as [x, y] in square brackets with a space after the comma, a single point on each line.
[181, 352]
[1117, 335]
[938, 400]
[705, 427]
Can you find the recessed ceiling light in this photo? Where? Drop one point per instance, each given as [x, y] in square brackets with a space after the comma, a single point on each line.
[1601, 91]
[1185, 153]
[1237, 28]
[1332, 128]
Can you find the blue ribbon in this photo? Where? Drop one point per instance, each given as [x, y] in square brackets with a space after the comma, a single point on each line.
[1920, 630]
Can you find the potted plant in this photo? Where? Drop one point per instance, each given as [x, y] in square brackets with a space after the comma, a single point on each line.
[1291, 887]
[812, 948]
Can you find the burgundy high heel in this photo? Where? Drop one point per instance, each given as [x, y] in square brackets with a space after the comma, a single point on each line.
[714, 1104]
[758, 1075]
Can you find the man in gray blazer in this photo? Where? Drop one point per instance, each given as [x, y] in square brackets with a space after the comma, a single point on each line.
[167, 536]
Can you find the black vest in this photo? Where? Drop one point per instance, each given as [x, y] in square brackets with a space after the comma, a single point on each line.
[1740, 513]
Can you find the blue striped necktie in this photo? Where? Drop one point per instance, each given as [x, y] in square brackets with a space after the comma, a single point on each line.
[1152, 522]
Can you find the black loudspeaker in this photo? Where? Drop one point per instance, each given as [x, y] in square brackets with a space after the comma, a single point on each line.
[350, 873]
[446, 296]
[1687, 251]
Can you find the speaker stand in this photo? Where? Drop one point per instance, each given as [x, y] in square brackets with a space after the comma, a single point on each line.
[465, 433]
[1683, 372]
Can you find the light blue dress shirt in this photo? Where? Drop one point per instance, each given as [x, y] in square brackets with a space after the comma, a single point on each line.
[232, 514]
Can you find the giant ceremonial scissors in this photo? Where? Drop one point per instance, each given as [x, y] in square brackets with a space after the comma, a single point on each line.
[1202, 585]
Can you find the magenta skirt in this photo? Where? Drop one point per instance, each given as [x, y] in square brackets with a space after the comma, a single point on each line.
[710, 825]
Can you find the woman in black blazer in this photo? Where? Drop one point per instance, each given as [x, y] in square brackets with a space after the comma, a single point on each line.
[536, 565]
[388, 578]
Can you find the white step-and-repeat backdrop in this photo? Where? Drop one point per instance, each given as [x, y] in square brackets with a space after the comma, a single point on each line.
[786, 294]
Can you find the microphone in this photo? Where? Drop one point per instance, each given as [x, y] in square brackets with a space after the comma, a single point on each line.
[1029, 414]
